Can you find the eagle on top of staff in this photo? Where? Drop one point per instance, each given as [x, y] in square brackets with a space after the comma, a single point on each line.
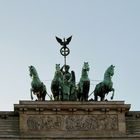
[65, 42]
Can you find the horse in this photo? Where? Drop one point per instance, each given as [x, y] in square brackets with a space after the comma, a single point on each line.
[84, 84]
[56, 84]
[37, 87]
[105, 86]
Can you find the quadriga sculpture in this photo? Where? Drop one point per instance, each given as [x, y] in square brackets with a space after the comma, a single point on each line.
[84, 84]
[56, 84]
[106, 85]
[37, 87]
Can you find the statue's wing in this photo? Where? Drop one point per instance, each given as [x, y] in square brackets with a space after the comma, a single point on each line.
[68, 40]
[59, 40]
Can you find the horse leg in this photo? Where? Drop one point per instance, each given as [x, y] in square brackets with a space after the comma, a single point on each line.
[80, 90]
[43, 93]
[82, 97]
[38, 96]
[31, 93]
[55, 97]
[86, 87]
[43, 96]
[95, 97]
[112, 93]
[102, 98]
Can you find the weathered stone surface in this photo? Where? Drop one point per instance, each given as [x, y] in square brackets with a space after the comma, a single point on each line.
[133, 122]
[9, 124]
[51, 120]
[80, 119]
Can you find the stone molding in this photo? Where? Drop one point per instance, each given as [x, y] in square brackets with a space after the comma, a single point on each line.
[58, 106]
[80, 119]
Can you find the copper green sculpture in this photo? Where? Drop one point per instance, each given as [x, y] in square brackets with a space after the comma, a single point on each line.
[56, 84]
[84, 84]
[105, 86]
[37, 87]
[63, 84]
[68, 87]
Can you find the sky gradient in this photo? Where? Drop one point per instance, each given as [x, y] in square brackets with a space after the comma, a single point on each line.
[104, 32]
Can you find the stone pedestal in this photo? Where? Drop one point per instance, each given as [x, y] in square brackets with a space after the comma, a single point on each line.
[56, 119]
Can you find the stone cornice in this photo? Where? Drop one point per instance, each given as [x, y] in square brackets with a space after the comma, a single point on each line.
[68, 106]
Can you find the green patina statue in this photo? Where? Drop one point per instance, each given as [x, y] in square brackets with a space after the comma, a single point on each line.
[37, 87]
[84, 84]
[69, 86]
[105, 86]
[64, 88]
[56, 84]
[63, 84]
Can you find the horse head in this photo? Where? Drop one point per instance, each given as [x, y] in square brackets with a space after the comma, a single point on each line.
[109, 72]
[32, 71]
[57, 67]
[58, 73]
[86, 66]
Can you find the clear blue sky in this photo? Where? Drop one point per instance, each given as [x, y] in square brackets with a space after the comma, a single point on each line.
[104, 32]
